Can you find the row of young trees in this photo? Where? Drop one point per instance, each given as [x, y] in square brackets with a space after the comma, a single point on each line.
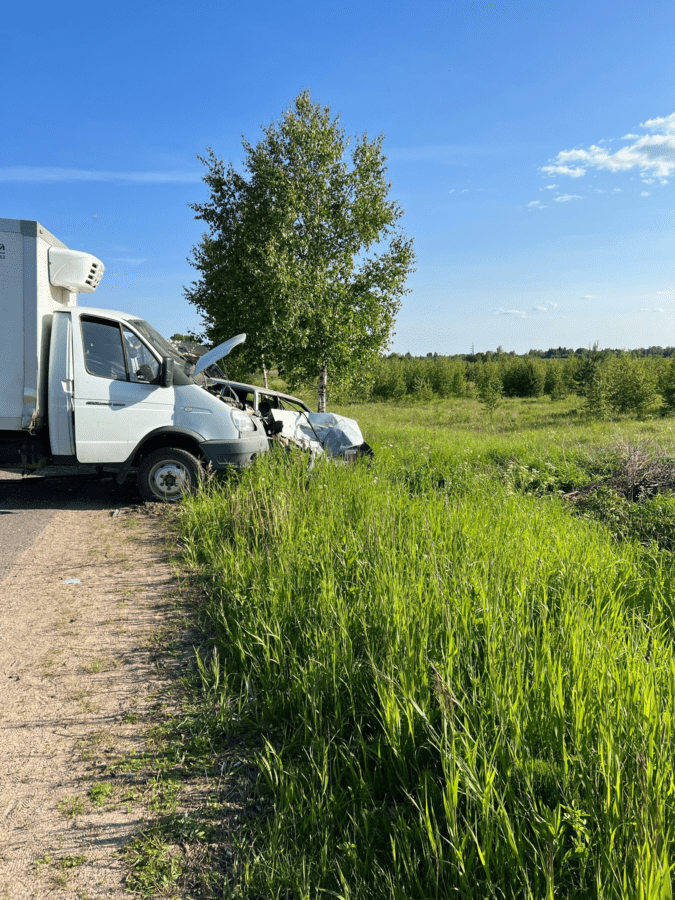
[610, 382]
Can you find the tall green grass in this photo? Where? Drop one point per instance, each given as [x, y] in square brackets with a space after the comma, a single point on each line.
[463, 691]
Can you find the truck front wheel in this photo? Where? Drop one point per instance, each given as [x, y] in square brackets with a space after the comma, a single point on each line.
[169, 474]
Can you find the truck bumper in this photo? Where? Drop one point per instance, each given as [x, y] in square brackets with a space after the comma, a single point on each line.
[239, 452]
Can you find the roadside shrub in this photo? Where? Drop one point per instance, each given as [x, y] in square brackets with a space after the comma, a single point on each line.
[489, 384]
[388, 380]
[667, 385]
[421, 389]
[556, 383]
[419, 378]
[596, 392]
[414, 373]
[632, 385]
[622, 385]
[651, 520]
[524, 378]
[447, 377]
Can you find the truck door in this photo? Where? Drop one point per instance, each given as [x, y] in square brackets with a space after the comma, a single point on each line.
[60, 391]
[117, 397]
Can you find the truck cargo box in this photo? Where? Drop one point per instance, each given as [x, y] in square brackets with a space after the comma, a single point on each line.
[33, 284]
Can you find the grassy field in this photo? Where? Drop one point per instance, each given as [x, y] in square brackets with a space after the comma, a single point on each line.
[464, 683]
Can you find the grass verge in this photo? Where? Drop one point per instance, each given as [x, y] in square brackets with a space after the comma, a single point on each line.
[461, 690]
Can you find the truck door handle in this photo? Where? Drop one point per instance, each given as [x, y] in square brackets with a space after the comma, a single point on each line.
[103, 403]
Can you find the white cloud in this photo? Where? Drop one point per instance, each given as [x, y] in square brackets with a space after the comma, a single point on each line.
[565, 198]
[669, 291]
[652, 154]
[537, 204]
[589, 297]
[541, 308]
[56, 175]
[657, 309]
[645, 193]
[510, 312]
[617, 190]
[549, 187]
[576, 172]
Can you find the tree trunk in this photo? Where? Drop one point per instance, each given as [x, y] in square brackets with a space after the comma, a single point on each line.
[323, 382]
[265, 385]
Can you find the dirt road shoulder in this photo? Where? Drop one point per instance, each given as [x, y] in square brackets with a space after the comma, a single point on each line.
[80, 610]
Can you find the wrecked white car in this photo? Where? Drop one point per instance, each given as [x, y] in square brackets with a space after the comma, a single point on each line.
[289, 421]
[286, 419]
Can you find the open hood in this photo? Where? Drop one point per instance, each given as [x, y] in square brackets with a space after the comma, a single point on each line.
[218, 353]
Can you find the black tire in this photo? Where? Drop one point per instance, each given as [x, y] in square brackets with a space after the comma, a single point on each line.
[168, 475]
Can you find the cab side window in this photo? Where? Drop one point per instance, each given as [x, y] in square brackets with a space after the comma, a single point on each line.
[103, 351]
[143, 367]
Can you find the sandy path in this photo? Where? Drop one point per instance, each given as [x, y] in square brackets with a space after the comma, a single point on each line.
[76, 673]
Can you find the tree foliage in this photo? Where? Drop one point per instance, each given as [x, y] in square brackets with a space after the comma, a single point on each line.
[524, 377]
[304, 251]
[622, 385]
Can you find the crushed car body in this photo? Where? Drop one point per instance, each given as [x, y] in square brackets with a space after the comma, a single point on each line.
[289, 421]
[286, 419]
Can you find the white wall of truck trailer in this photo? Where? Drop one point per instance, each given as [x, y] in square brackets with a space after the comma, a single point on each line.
[38, 275]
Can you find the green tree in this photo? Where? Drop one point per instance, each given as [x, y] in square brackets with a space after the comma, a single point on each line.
[632, 385]
[304, 251]
[622, 385]
[524, 377]
[490, 388]
[189, 338]
[556, 384]
[667, 384]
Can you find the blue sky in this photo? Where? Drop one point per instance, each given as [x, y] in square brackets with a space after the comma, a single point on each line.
[532, 145]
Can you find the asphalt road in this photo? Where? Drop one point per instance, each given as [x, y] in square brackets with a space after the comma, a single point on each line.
[27, 505]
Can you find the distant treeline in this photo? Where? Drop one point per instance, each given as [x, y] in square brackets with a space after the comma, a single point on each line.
[558, 353]
[636, 382]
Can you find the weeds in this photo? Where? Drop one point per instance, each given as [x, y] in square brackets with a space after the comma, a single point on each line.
[99, 664]
[71, 807]
[99, 793]
[463, 691]
[42, 861]
[155, 864]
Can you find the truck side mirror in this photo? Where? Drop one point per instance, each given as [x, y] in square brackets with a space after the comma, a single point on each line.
[167, 372]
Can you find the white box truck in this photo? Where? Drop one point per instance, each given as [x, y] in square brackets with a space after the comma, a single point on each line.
[81, 386]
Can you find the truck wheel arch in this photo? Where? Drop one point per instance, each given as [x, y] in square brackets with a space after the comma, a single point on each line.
[163, 438]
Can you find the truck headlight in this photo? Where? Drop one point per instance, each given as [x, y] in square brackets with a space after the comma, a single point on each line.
[242, 421]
